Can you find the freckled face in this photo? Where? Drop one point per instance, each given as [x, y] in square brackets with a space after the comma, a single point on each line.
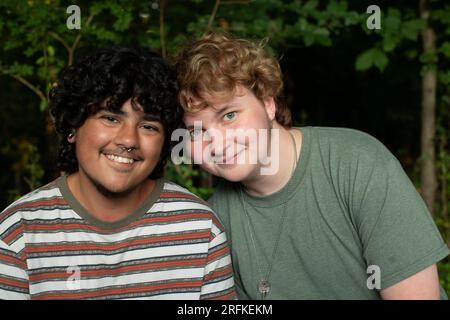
[234, 154]
[117, 152]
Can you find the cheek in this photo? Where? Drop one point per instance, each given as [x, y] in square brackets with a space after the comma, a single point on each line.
[92, 135]
[196, 151]
[154, 147]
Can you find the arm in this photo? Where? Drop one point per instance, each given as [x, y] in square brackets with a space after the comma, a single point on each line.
[397, 231]
[14, 283]
[423, 285]
[218, 282]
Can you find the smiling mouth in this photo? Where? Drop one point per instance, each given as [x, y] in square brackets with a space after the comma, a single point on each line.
[120, 159]
[231, 160]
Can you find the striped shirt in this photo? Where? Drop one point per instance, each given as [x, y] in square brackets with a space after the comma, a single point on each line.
[173, 247]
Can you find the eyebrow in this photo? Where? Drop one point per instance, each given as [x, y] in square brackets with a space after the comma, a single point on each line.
[146, 116]
[151, 117]
[119, 112]
[219, 111]
[225, 108]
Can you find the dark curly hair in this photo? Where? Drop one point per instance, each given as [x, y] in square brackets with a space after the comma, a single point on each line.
[114, 74]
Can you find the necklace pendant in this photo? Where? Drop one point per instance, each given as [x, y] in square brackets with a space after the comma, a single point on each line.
[264, 288]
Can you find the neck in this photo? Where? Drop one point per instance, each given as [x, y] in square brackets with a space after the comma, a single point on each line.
[105, 208]
[263, 185]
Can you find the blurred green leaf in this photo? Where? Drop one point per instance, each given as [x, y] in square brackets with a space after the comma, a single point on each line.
[21, 69]
[43, 105]
[445, 49]
[371, 57]
[390, 42]
[51, 51]
[365, 60]
[410, 29]
[380, 59]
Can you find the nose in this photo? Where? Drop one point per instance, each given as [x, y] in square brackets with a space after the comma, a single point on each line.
[219, 143]
[127, 136]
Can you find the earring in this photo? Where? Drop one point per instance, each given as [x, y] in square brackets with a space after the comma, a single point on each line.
[71, 136]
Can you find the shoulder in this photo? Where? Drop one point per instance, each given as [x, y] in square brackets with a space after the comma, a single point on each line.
[47, 197]
[344, 137]
[180, 200]
[346, 143]
[174, 192]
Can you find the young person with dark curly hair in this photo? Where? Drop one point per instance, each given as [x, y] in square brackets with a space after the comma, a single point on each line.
[337, 218]
[111, 227]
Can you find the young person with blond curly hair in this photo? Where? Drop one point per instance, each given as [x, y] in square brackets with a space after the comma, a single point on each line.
[337, 219]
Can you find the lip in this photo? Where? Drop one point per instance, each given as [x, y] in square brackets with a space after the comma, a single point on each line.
[119, 165]
[129, 156]
[231, 160]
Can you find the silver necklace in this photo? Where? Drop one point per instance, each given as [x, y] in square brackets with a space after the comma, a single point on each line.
[263, 283]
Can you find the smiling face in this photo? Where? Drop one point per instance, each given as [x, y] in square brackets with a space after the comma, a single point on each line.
[228, 151]
[116, 152]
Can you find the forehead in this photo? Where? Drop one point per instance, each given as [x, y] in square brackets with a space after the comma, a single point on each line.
[131, 108]
[208, 112]
[210, 105]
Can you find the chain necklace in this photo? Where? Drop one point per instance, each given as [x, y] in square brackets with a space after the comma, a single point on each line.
[264, 284]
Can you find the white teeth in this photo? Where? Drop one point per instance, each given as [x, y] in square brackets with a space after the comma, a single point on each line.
[119, 159]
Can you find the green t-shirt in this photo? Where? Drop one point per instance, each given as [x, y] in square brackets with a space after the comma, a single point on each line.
[349, 206]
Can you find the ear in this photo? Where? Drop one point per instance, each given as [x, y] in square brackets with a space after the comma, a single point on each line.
[271, 109]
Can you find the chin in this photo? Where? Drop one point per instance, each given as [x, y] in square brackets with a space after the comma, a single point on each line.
[113, 189]
[235, 174]
[114, 193]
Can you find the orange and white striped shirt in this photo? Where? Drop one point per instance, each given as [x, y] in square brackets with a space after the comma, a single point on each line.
[173, 247]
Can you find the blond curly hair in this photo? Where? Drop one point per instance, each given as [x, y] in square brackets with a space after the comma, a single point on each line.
[215, 64]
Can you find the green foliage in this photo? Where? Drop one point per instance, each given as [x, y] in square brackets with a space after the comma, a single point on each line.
[445, 49]
[444, 275]
[371, 57]
[28, 164]
[398, 29]
[189, 177]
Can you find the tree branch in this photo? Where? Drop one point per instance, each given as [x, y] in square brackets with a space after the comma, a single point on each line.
[428, 115]
[77, 40]
[213, 14]
[46, 67]
[161, 28]
[61, 40]
[35, 89]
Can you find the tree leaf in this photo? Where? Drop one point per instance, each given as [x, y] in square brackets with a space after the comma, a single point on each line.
[390, 42]
[380, 59]
[410, 29]
[43, 105]
[392, 21]
[365, 60]
[445, 49]
[51, 51]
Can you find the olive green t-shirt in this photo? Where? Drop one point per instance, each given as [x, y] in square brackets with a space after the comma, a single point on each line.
[349, 206]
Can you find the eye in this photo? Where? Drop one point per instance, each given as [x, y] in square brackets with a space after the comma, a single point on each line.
[150, 127]
[109, 118]
[229, 116]
[196, 133]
